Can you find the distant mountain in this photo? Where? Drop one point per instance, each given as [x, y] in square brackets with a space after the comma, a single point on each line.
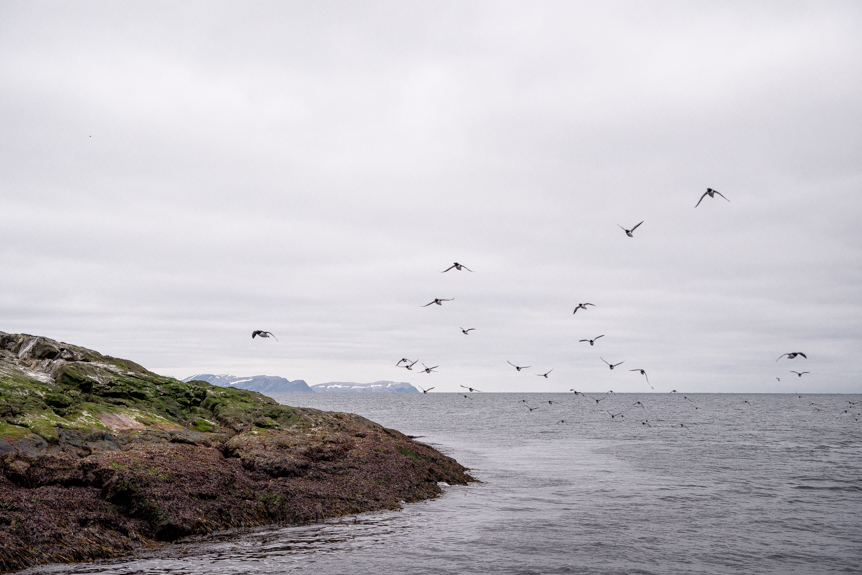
[376, 387]
[259, 383]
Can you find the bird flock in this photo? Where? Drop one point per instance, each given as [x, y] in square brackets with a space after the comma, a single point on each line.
[409, 364]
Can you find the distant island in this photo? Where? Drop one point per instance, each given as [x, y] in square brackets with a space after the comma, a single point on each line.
[276, 384]
[100, 457]
[376, 387]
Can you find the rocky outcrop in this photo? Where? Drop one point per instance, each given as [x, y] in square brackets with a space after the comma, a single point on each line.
[100, 457]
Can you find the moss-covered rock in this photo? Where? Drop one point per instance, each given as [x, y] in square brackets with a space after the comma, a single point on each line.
[99, 457]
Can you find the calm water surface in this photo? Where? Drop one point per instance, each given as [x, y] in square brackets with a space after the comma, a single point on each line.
[708, 484]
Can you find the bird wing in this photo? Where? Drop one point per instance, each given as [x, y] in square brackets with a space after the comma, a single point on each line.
[802, 354]
[603, 359]
[509, 362]
[273, 335]
[622, 228]
[427, 390]
[782, 355]
[720, 194]
[443, 299]
[620, 363]
[254, 333]
[426, 305]
[636, 227]
[466, 268]
[580, 340]
[447, 269]
[597, 337]
[701, 199]
[549, 372]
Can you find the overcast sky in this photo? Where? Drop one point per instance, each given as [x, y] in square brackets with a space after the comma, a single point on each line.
[176, 175]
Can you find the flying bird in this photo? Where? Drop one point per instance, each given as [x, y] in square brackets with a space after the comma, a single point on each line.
[592, 341]
[799, 373]
[583, 306]
[467, 331]
[516, 367]
[423, 389]
[457, 266]
[402, 360]
[545, 375]
[437, 300]
[471, 389]
[643, 373]
[630, 232]
[611, 365]
[792, 355]
[408, 365]
[711, 193]
[429, 369]
[266, 334]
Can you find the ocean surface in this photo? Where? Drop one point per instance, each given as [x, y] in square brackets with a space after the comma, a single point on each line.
[675, 484]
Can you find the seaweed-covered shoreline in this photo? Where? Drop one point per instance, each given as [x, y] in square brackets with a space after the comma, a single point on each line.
[100, 457]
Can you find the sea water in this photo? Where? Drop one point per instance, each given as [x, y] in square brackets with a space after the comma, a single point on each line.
[596, 484]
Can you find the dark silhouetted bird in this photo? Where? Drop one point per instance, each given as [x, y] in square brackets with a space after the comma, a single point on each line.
[592, 341]
[629, 233]
[457, 266]
[438, 301]
[711, 193]
[611, 365]
[261, 333]
[517, 367]
[792, 355]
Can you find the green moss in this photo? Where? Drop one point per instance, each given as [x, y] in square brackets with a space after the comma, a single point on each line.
[85, 391]
[202, 425]
[12, 433]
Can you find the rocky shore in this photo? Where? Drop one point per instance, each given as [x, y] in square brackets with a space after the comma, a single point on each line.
[100, 457]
